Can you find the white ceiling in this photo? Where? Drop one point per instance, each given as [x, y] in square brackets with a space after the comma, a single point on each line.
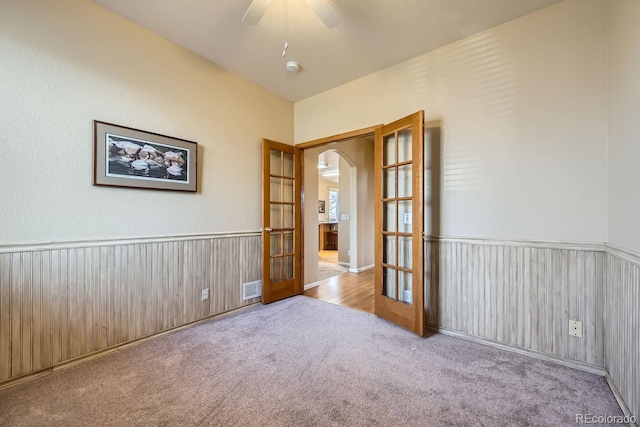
[372, 34]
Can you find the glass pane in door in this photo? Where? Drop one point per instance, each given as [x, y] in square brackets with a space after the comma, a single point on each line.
[405, 216]
[288, 216]
[287, 190]
[389, 150]
[276, 270]
[405, 180]
[404, 145]
[389, 187]
[288, 268]
[275, 162]
[288, 242]
[389, 216]
[276, 244]
[405, 249]
[287, 161]
[389, 282]
[276, 189]
[276, 216]
[405, 289]
[389, 250]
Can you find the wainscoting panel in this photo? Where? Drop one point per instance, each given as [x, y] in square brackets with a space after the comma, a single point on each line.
[622, 326]
[518, 295]
[58, 303]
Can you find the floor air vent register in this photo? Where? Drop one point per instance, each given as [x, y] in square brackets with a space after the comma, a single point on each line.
[251, 290]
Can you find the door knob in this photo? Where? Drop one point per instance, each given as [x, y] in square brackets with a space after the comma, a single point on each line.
[267, 229]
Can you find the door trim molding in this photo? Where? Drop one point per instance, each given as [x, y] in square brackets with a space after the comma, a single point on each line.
[339, 137]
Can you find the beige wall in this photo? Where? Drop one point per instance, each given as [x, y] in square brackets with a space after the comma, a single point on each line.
[522, 110]
[66, 63]
[323, 194]
[361, 153]
[344, 205]
[624, 126]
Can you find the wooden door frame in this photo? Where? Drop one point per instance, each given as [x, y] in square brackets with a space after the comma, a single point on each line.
[329, 140]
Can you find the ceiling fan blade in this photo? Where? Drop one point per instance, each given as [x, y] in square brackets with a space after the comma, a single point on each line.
[325, 12]
[256, 10]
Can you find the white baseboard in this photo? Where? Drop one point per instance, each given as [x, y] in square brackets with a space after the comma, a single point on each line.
[344, 264]
[581, 366]
[311, 285]
[360, 270]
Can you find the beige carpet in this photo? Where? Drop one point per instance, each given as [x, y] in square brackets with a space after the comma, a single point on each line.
[305, 362]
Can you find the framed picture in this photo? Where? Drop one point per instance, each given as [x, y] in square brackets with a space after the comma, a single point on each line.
[127, 157]
[320, 206]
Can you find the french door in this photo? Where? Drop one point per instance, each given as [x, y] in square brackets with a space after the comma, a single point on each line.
[281, 260]
[399, 292]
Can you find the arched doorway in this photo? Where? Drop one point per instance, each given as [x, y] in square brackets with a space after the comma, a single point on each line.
[334, 215]
[352, 222]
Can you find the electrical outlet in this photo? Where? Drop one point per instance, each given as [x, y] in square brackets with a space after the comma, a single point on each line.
[348, 252]
[407, 296]
[575, 328]
[205, 294]
[407, 218]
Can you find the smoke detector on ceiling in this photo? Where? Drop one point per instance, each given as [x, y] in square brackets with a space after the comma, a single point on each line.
[293, 67]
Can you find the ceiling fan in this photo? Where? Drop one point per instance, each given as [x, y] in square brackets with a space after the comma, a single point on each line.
[322, 8]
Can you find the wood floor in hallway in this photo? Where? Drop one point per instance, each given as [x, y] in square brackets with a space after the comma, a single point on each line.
[348, 289]
[328, 256]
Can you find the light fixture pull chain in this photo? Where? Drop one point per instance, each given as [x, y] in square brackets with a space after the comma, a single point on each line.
[285, 44]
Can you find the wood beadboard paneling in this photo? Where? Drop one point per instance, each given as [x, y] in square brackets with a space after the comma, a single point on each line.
[622, 327]
[518, 295]
[58, 304]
